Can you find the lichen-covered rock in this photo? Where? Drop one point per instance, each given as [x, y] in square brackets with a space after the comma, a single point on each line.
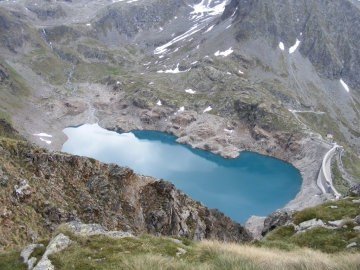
[26, 251]
[56, 244]
[310, 224]
[94, 229]
[22, 190]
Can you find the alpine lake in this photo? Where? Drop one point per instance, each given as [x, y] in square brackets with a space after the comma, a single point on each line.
[251, 184]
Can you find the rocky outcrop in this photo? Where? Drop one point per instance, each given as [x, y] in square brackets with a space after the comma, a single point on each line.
[56, 188]
[355, 190]
[79, 228]
[275, 219]
[131, 19]
[56, 244]
[45, 12]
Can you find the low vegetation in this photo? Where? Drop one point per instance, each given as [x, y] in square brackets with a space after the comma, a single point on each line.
[323, 239]
[150, 252]
[352, 164]
[340, 184]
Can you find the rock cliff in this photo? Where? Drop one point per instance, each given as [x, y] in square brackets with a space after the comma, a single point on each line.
[42, 189]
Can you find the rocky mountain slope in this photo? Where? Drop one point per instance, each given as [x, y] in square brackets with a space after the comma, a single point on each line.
[226, 76]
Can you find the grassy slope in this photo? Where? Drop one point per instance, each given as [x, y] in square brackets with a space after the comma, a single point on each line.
[326, 240]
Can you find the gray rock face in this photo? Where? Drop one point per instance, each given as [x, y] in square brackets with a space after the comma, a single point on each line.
[328, 40]
[355, 190]
[128, 21]
[275, 219]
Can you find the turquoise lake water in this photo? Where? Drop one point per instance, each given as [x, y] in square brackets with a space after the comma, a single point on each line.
[250, 184]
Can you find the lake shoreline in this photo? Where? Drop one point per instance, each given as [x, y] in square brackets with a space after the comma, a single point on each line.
[200, 130]
[225, 184]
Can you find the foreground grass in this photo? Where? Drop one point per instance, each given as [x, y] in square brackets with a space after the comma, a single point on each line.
[281, 249]
[149, 252]
[11, 260]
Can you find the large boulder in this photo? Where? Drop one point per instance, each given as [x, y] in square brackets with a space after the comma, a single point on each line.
[277, 218]
[354, 190]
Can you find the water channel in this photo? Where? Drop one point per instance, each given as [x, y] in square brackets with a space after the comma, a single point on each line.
[250, 184]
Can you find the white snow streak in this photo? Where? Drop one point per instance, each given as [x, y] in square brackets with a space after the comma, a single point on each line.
[207, 109]
[190, 91]
[42, 135]
[48, 142]
[163, 48]
[176, 70]
[225, 53]
[201, 13]
[202, 8]
[281, 46]
[294, 47]
[345, 85]
[209, 29]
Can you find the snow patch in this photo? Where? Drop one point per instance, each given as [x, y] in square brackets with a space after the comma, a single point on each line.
[281, 46]
[228, 130]
[203, 8]
[159, 103]
[163, 48]
[225, 53]
[48, 142]
[190, 91]
[176, 70]
[345, 85]
[241, 72]
[43, 135]
[151, 82]
[181, 109]
[294, 47]
[207, 109]
[209, 29]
